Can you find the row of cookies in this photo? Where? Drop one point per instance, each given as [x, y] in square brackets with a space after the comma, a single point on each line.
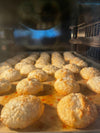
[8, 73]
[26, 66]
[29, 108]
[75, 109]
[23, 110]
[69, 81]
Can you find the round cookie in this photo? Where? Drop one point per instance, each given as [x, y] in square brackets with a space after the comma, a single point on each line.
[19, 65]
[11, 75]
[43, 60]
[26, 69]
[89, 72]
[79, 62]
[3, 68]
[29, 86]
[57, 60]
[5, 86]
[77, 111]
[94, 84]
[28, 61]
[72, 67]
[50, 69]
[38, 74]
[68, 56]
[66, 86]
[62, 73]
[22, 111]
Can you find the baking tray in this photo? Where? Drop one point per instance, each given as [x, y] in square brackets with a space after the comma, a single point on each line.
[50, 122]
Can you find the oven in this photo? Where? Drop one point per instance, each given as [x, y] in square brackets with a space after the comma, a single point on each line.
[37, 26]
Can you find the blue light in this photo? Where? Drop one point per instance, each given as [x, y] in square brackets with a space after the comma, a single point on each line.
[21, 33]
[37, 34]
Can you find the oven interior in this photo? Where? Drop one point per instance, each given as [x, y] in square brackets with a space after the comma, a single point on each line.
[27, 25]
[51, 25]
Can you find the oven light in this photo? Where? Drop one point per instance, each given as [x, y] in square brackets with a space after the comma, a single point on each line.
[37, 34]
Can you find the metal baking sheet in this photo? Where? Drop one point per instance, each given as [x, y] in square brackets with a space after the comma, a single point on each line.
[50, 122]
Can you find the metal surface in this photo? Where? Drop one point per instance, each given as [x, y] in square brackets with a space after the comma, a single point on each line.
[50, 121]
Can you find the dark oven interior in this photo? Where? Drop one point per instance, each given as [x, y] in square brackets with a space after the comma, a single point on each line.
[39, 25]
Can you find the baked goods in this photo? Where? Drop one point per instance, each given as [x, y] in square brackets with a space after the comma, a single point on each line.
[4, 64]
[61, 73]
[68, 56]
[26, 69]
[3, 68]
[38, 74]
[79, 62]
[89, 72]
[22, 111]
[31, 59]
[11, 61]
[20, 56]
[29, 86]
[94, 84]
[10, 75]
[28, 61]
[33, 56]
[72, 67]
[57, 60]
[19, 65]
[50, 69]
[5, 86]
[43, 60]
[76, 110]
[66, 86]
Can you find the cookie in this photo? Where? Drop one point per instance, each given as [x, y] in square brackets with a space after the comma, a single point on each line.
[62, 73]
[76, 111]
[66, 86]
[89, 72]
[38, 74]
[5, 86]
[79, 62]
[94, 84]
[29, 86]
[50, 69]
[10, 75]
[26, 69]
[72, 67]
[22, 111]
